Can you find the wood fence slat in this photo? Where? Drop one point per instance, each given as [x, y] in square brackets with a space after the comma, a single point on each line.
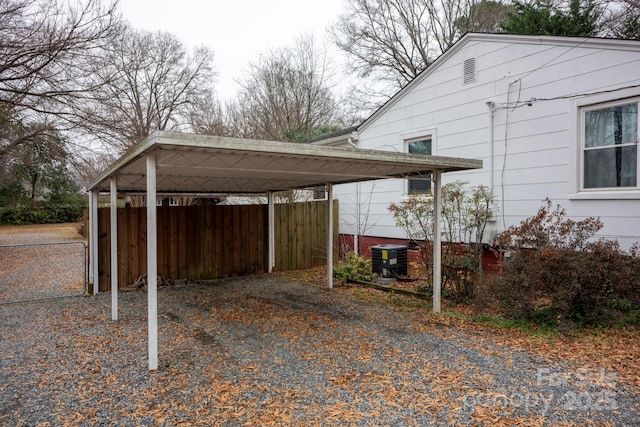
[142, 241]
[104, 249]
[193, 247]
[308, 239]
[132, 233]
[218, 236]
[227, 260]
[236, 246]
[252, 238]
[263, 238]
[170, 240]
[207, 242]
[279, 236]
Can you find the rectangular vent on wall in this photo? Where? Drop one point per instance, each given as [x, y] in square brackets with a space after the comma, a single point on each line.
[469, 70]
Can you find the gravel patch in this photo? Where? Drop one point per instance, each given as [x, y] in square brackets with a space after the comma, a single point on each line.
[264, 350]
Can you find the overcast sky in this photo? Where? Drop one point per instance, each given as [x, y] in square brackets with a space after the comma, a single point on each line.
[238, 31]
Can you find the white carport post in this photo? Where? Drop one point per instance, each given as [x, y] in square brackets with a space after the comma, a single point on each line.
[272, 234]
[437, 243]
[152, 262]
[94, 275]
[330, 236]
[113, 211]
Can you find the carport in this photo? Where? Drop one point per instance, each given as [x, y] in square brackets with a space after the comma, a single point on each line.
[185, 163]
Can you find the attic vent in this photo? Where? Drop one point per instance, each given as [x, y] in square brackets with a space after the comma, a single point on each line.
[469, 70]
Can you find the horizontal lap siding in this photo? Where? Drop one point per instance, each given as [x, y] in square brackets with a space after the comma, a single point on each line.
[536, 89]
[210, 242]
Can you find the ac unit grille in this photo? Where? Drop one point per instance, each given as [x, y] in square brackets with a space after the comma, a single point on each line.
[389, 261]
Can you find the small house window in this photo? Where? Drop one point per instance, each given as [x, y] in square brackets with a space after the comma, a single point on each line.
[610, 146]
[174, 201]
[319, 193]
[159, 201]
[419, 146]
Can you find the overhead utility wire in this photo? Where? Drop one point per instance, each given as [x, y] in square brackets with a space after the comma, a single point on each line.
[518, 104]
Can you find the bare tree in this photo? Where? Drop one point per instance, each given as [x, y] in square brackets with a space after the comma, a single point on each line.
[386, 39]
[148, 80]
[43, 47]
[207, 116]
[393, 41]
[484, 16]
[623, 21]
[287, 96]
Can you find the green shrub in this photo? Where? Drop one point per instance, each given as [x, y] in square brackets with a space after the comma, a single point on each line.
[48, 214]
[565, 278]
[354, 267]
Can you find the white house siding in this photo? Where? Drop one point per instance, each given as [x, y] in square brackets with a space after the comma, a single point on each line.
[542, 139]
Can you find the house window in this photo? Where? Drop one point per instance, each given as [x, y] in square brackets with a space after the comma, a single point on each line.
[159, 201]
[419, 146]
[174, 201]
[319, 193]
[610, 146]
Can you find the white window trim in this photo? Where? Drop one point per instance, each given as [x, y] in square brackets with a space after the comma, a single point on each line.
[576, 134]
[413, 135]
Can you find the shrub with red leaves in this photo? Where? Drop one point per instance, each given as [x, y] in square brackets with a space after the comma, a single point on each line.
[560, 275]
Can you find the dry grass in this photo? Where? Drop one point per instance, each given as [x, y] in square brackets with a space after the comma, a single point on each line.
[65, 231]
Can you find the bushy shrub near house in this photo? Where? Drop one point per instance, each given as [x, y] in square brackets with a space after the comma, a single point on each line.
[559, 274]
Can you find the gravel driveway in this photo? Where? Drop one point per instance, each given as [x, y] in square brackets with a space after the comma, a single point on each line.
[265, 350]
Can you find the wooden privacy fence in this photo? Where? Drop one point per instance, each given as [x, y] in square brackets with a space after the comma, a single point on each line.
[211, 242]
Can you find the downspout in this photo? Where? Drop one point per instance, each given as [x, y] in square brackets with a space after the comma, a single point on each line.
[492, 110]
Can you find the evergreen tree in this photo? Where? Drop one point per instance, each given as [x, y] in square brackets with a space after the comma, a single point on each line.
[544, 17]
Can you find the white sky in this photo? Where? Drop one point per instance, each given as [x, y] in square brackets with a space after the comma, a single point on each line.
[238, 31]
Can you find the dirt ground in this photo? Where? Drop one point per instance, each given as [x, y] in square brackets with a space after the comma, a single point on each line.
[66, 231]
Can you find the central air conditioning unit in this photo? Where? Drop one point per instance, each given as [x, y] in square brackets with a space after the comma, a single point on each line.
[389, 261]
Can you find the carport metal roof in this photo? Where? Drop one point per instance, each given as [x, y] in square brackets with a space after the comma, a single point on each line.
[185, 163]
[189, 163]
